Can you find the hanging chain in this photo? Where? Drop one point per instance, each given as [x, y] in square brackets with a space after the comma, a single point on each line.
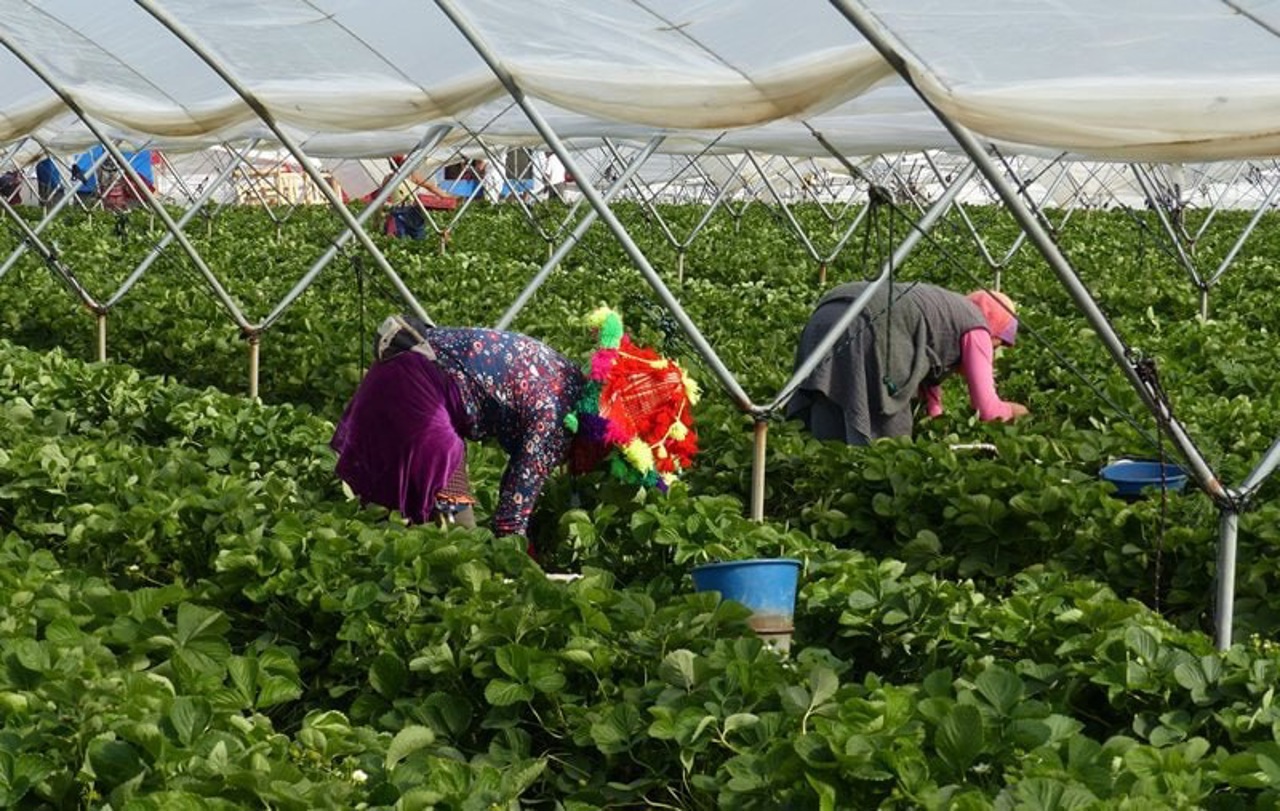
[1150, 377]
[878, 197]
[357, 264]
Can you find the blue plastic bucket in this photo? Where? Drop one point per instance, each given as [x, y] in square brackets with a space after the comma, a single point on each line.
[765, 585]
[1132, 477]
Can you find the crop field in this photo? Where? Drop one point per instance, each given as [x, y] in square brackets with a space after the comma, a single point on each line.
[195, 615]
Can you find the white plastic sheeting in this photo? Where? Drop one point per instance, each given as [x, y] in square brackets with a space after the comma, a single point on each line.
[1169, 81]
[1173, 80]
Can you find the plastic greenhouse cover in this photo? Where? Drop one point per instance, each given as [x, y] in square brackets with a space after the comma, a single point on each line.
[1175, 80]
[1168, 81]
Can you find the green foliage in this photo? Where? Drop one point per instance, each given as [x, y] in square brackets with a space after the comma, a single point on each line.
[193, 613]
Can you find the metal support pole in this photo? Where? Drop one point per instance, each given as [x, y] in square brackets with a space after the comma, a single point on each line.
[795, 224]
[158, 248]
[1228, 530]
[50, 258]
[1270, 460]
[696, 339]
[68, 195]
[335, 202]
[1244, 235]
[429, 142]
[139, 185]
[757, 468]
[577, 234]
[102, 337]
[1207, 479]
[1148, 190]
[255, 342]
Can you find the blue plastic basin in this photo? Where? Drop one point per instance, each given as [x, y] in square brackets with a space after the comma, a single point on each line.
[765, 585]
[1132, 477]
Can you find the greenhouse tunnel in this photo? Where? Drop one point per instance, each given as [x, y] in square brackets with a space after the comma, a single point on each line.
[743, 104]
[205, 79]
[863, 134]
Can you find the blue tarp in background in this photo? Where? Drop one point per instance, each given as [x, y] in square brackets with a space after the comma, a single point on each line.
[140, 161]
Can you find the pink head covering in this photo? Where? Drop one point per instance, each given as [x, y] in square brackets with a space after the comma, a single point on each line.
[998, 311]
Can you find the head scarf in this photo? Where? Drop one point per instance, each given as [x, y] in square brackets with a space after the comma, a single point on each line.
[998, 311]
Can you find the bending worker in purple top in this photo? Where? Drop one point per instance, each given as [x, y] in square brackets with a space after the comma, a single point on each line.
[897, 350]
[401, 441]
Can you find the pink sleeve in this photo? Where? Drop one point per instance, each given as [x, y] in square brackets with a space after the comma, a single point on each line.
[932, 400]
[976, 364]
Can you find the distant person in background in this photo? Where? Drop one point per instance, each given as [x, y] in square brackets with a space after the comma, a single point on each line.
[405, 217]
[474, 170]
[48, 181]
[898, 350]
[11, 187]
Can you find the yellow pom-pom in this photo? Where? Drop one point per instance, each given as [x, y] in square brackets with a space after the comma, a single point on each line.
[679, 431]
[691, 389]
[639, 455]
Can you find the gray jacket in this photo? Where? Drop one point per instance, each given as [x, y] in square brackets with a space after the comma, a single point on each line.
[864, 387]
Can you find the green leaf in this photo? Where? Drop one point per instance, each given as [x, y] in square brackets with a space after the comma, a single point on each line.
[615, 730]
[517, 779]
[1002, 690]
[1142, 642]
[1192, 677]
[503, 693]
[448, 713]
[275, 690]
[433, 659]
[406, 742]
[679, 668]
[959, 738]
[823, 684]
[388, 675]
[32, 655]
[1043, 794]
[545, 677]
[202, 628]
[740, 720]
[114, 762]
[825, 791]
[361, 596]
[190, 717]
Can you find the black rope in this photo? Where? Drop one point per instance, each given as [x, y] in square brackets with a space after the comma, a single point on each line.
[357, 264]
[1145, 228]
[1147, 372]
[638, 309]
[878, 197]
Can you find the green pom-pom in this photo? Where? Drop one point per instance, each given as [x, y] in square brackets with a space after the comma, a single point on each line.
[619, 469]
[571, 422]
[609, 323]
[589, 402]
[611, 331]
